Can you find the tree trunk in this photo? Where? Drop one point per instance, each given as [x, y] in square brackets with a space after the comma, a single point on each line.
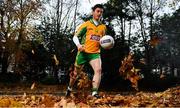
[122, 31]
[3, 54]
[4, 63]
[75, 16]
[129, 37]
[2, 19]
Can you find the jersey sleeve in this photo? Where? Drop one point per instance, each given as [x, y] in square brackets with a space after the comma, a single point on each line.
[105, 29]
[81, 31]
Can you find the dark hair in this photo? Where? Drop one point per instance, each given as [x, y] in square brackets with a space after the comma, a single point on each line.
[97, 6]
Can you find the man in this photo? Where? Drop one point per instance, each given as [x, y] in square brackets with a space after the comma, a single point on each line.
[87, 39]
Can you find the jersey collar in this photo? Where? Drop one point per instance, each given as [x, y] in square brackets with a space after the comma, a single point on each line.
[91, 20]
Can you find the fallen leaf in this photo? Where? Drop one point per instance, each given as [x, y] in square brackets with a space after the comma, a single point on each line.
[128, 71]
[32, 51]
[47, 100]
[83, 105]
[24, 95]
[56, 60]
[143, 61]
[162, 76]
[154, 41]
[32, 86]
[63, 103]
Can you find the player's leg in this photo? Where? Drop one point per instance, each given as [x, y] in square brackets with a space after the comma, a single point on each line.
[77, 69]
[96, 65]
[73, 78]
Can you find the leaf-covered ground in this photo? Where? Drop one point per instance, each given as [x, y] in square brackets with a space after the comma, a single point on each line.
[50, 96]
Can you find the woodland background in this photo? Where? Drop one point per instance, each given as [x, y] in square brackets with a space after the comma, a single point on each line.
[36, 45]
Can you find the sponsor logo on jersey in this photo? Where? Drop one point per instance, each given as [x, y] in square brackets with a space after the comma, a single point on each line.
[95, 37]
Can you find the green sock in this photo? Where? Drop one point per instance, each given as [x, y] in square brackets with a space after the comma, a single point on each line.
[94, 91]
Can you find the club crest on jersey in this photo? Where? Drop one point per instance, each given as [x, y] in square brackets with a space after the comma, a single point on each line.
[89, 28]
[95, 37]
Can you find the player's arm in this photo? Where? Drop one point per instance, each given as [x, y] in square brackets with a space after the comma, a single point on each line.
[80, 33]
[77, 43]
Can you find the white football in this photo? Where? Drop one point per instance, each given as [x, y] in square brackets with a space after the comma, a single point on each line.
[107, 42]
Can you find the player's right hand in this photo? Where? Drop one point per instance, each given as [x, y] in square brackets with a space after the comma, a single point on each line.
[80, 47]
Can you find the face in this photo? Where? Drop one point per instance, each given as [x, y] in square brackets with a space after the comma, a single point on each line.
[97, 13]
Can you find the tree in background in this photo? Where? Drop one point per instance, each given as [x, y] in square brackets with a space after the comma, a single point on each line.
[57, 27]
[146, 11]
[136, 18]
[132, 24]
[18, 16]
[167, 52]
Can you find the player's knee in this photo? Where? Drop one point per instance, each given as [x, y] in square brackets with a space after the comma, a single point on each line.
[98, 70]
[75, 73]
